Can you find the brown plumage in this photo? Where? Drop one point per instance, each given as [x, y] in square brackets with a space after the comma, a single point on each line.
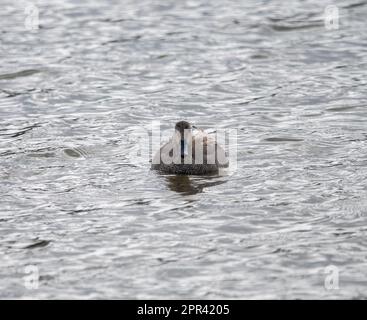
[186, 153]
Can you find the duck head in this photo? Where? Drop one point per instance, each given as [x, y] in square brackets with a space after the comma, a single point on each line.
[183, 137]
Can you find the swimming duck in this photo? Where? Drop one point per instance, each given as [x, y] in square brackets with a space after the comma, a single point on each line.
[188, 153]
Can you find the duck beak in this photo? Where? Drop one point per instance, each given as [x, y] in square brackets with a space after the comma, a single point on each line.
[184, 149]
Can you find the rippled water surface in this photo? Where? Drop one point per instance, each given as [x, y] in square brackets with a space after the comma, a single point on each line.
[97, 224]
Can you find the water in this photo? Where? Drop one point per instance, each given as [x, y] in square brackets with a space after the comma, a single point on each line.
[78, 212]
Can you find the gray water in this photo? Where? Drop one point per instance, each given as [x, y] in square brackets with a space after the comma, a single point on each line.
[89, 222]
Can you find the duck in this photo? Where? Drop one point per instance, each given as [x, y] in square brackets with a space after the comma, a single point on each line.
[189, 153]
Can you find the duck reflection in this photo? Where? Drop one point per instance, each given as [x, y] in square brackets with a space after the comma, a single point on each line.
[189, 185]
